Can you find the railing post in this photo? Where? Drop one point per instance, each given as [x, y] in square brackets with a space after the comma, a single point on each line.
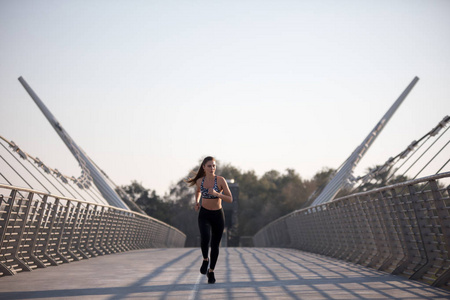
[116, 233]
[4, 225]
[336, 228]
[22, 263]
[354, 231]
[321, 234]
[130, 233]
[125, 223]
[363, 233]
[91, 235]
[314, 227]
[378, 233]
[293, 223]
[141, 234]
[62, 218]
[444, 221]
[78, 224]
[138, 233]
[388, 228]
[102, 231]
[108, 232]
[424, 233]
[370, 237]
[347, 229]
[49, 230]
[310, 231]
[74, 224]
[401, 212]
[329, 219]
[37, 232]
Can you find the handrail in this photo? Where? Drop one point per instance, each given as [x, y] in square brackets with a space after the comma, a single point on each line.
[81, 201]
[381, 189]
[36, 232]
[403, 229]
[398, 185]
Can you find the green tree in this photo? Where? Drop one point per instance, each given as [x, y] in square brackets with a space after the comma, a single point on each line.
[183, 216]
[152, 204]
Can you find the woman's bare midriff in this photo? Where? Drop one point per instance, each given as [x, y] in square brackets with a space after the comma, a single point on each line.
[212, 204]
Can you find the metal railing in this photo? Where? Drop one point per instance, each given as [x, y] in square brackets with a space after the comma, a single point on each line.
[39, 230]
[403, 229]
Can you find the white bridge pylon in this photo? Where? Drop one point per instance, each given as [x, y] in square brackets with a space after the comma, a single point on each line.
[91, 172]
[345, 171]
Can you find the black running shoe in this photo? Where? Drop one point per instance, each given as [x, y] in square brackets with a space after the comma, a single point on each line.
[204, 267]
[211, 278]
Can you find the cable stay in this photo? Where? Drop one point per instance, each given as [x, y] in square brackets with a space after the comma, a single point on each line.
[432, 159]
[343, 176]
[375, 175]
[17, 172]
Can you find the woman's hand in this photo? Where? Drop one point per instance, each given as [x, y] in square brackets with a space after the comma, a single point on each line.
[197, 206]
[213, 192]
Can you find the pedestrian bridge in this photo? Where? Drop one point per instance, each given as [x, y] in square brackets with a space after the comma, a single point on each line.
[363, 246]
[390, 242]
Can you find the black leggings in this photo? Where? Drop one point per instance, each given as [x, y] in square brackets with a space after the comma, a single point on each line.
[211, 221]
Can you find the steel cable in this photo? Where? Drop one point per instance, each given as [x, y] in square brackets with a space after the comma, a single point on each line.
[410, 156]
[425, 152]
[5, 178]
[12, 168]
[442, 167]
[432, 159]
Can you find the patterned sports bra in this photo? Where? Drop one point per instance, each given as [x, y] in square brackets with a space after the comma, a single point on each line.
[204, 191]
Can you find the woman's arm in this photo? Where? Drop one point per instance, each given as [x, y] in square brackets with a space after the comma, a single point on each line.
[226, 193]
[197, 196]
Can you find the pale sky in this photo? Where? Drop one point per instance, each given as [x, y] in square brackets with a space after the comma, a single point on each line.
[148, 88]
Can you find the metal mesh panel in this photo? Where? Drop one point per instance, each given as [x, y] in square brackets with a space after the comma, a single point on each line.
[39, 230]
[402, 229]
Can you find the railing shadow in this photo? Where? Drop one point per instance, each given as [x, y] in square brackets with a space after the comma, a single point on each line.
[261, 273]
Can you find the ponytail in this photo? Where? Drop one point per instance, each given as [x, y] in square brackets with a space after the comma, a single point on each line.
[200, 172]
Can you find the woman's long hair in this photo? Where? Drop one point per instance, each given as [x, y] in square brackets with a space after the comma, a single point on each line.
[200, 172]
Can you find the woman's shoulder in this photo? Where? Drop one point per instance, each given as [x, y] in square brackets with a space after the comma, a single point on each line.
[221, 179]
[199, 180]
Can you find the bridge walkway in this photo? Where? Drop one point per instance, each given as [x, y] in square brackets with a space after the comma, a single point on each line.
[253, 273]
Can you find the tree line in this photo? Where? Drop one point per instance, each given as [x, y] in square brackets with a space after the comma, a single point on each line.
[261, 199]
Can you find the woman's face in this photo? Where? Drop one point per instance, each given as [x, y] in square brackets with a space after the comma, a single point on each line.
[210, 167]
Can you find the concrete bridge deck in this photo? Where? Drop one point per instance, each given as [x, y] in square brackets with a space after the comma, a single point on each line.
[254, 273]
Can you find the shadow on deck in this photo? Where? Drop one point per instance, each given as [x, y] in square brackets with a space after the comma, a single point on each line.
[259, 273]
